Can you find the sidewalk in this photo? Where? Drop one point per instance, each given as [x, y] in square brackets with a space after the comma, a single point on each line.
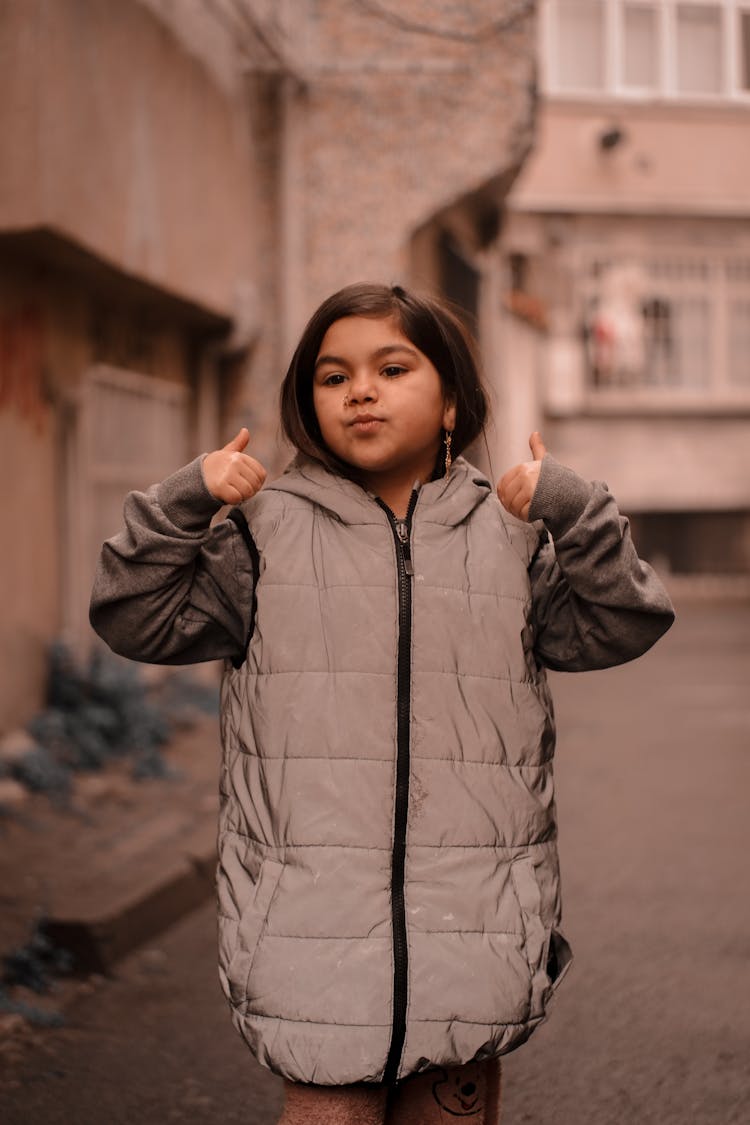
[118, 863]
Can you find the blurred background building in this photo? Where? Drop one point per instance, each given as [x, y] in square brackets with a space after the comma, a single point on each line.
[626, 254]
[182, 181]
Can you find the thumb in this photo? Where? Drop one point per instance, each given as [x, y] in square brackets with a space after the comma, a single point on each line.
[537, 446]
[238, 442]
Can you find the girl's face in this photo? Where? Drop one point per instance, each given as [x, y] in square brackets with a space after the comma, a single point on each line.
[379, 402]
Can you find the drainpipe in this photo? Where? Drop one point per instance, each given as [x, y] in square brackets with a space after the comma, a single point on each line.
[292, 228]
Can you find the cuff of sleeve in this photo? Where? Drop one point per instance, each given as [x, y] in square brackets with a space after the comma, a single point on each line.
[560, 496]
[185, 499]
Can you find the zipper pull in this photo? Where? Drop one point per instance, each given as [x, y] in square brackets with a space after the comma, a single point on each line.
[402, 530]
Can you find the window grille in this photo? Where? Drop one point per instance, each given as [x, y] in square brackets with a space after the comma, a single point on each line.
[675, 324]
[739, 343]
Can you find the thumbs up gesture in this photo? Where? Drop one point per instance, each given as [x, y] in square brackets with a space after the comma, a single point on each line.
[517, 487]
[231, 475]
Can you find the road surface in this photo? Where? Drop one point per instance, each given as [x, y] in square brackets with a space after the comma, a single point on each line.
[652, 1024]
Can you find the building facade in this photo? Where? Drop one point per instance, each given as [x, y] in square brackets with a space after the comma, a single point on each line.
[181, 184]
[624, 268]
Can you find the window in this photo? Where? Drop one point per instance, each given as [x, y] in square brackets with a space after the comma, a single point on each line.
[738, 278]
[695, 542]
[459, 280]
[744, 50]
[698, 48]
[676, 49]
[580, 35]
[672, 322]
[640, 61]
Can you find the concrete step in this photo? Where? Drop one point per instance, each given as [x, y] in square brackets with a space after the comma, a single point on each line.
[130, 893]
[118, 862]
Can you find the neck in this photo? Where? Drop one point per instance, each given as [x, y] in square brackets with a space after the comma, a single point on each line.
[394, 488]
[396, 496]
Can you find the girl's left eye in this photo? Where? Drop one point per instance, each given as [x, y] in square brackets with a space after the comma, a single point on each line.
[393, 369]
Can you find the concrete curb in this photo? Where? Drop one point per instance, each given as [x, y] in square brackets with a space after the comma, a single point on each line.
[118, 909]
[119, 861]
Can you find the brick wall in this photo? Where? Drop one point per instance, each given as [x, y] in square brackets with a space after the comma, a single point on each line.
[403, 109]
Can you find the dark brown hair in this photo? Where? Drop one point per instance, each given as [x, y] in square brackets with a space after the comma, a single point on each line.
[427, 322]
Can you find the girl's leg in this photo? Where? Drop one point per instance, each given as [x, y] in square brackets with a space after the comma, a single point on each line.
[333, 1105]
[443, 1097]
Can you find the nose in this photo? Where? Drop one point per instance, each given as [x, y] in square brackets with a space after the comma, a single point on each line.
[362, 387]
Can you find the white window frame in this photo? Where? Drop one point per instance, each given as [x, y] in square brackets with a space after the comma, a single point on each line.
[666, 87]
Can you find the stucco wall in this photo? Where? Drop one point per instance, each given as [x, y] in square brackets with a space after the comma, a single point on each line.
[665, 462]
[29, 564]
[676, 158]
[125, 142]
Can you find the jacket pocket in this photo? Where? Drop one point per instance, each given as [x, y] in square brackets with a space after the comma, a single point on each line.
[241, 939]
[547, 951]
[559, 957]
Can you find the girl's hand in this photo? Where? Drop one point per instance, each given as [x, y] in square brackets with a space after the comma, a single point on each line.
[230, 474]
[517, 487]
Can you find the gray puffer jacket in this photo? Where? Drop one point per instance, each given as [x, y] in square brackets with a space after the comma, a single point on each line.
[388, 877]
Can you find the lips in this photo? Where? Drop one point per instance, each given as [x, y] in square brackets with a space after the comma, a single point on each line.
[365, 422]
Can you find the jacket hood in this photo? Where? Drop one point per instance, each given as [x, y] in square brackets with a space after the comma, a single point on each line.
[445, 501]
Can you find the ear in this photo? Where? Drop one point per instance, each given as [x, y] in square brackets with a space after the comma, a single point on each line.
[449, 413]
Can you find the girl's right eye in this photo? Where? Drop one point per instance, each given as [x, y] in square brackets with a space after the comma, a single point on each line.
[333, 380]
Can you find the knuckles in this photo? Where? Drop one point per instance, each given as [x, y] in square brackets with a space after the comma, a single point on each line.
[516, 488]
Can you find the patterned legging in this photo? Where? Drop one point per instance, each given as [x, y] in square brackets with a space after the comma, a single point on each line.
[437, 1097]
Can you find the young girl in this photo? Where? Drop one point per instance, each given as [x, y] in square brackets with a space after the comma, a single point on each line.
[388, 881]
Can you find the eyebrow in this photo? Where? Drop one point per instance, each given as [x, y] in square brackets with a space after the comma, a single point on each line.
[380, 353]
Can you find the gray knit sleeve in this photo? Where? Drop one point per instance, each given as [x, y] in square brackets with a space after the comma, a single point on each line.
[595, 603]
[170, 588]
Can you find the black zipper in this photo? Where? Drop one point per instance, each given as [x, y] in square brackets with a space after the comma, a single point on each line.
[402, 536]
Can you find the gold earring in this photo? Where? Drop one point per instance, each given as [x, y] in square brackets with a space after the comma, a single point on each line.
[448, 458]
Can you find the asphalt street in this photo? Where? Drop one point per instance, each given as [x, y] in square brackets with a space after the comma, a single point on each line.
[652, 1024]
